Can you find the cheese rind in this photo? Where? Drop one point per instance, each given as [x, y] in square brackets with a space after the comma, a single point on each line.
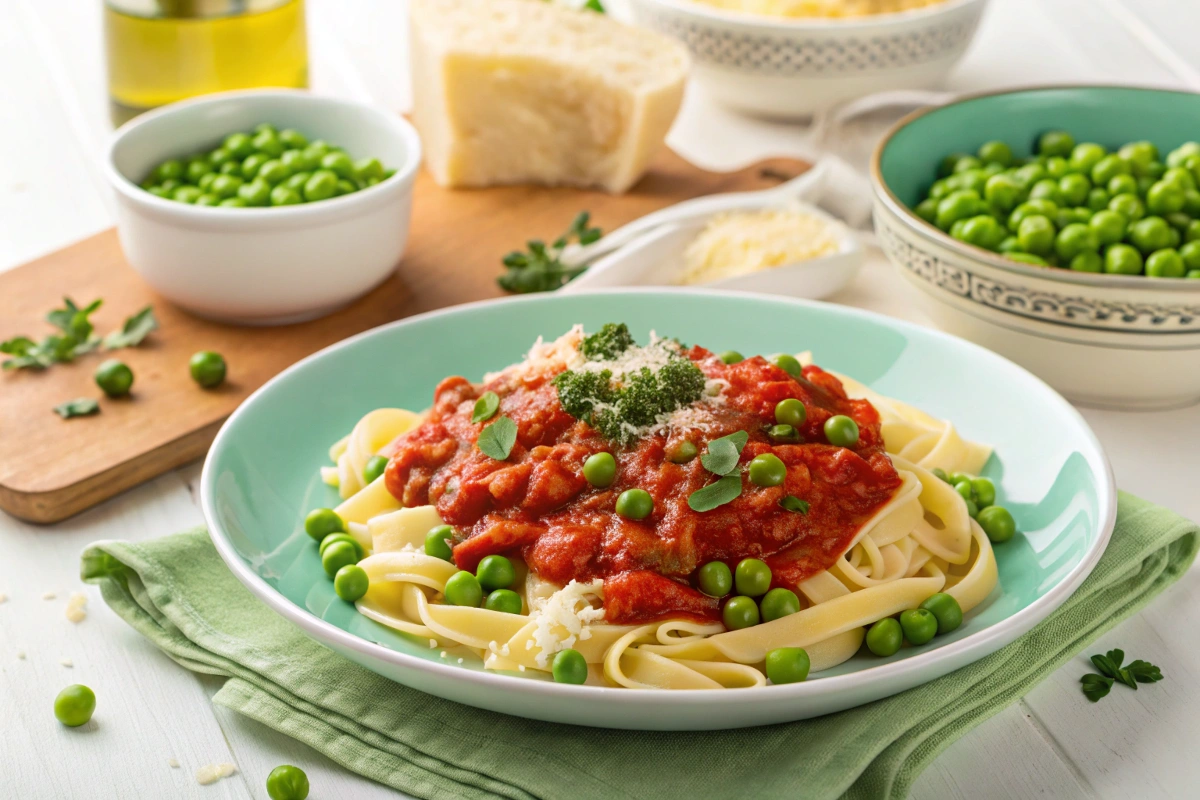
[524, 91]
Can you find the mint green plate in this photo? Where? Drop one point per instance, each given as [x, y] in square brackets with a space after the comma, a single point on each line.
[261, 477]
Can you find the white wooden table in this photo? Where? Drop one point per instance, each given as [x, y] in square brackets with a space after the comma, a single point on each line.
[53, 125]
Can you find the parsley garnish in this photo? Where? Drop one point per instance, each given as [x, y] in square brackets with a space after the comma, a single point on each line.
[76, 336]
[793, 503]
[726, 489]
[497, 439]
[1138, 671]
[135, 329]
[723, 454]
[539, 268]
[79, 407]
[485, 407]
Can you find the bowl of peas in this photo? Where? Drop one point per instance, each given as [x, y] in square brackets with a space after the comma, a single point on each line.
[264, 207]
[1060, 227]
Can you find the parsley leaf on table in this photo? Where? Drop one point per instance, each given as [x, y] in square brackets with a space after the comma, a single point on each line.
[135, 329]
[79, 407]
[539, 268]
[1097, 686]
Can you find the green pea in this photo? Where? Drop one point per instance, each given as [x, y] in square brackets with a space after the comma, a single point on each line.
[252, 164]
[983, 231]
[947, 165]
[374, 468]
[788, 364]
[1009, 245]
[1087, 155]
[791, 412]
[114, 378]
[841, 431]
[1128, 205]
[1036, 235]
[463, 589]
[783, 434]
[752, 577]
[683, 452]
[635, 504]
[1190, 253]
[927, 210]
[293, 138]
[1029, 174]
[1039, 208]
[224, 186]
[945, 610]
[1180, 177]
[297, 161]
[267, 142]
[495, 572]
[995, 152]
[231, 168]
[1074, 189]
[339, 164]
[233, 202]
[1001, 192]
[962, 204]
[255, 193]
[732, 357]
[1108, 168]
[321, 522]
[319, 148]
[1074, 239]
[569, 666]
[919, 625]
[438, 543]
[997, 523]
[266, 126]
[956, 478]
[885, 637]
[972, 508]
[740, 612]
[1165, 263]
[1193, 274]
[208, 200]
[186, 194]
[1108, 227]
[219, 157]
[1139, 155]
[1056, 143]
[715, 579]
[196, 169]
[1178, 220]
[1150, 234]
[1029, 258]
[1165, 198]
[967, 163]
[321, 186]
[159, 191]
[767, 470]
[75, 705]
[787, 665]
[1087, 262]
[964, 489]
[338, 555]
[172, 169]
[283, 196]
[1098, 199]
[296, 182]
[940, 474]
[600, 469]
[506, 601]
[273, 171]
[334, 538]
[351, 582]
[1123, 184]
[206, 181]
[207, 368]
[1121, 259]
[368, 168]
[985, 491]
[779, 603]
[287, 783]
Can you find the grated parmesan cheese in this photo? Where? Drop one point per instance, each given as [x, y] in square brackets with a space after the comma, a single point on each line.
[432, 644]
[77, 607]
[563, 617]
[546, 357]
[212, 773]
[741, 242]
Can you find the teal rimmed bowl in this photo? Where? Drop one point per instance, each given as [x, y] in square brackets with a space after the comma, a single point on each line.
[261, 477]
[1106, 340]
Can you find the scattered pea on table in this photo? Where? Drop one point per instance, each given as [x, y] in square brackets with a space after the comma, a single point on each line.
[207, 369]
[75, 705]
[287, 783]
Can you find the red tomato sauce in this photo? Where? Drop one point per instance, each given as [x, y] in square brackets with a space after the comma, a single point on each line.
[537, 505]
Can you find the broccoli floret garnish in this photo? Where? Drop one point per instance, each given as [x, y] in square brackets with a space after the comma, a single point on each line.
[579, 392]
[607, 343]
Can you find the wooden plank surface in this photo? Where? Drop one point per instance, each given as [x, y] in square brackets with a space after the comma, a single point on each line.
[52, 468]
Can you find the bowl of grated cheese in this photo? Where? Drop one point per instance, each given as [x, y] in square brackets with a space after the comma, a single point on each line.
[796, 250]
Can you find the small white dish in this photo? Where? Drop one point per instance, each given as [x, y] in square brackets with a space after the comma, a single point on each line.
[656, 258]
[264, 266]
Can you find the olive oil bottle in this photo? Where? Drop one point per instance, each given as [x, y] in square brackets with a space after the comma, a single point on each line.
[160, 51]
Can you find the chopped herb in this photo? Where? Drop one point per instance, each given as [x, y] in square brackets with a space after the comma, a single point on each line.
[1097, 686]
[725, 490]
[74, 323]
[540, 268]
[594, 5]
[485, 407]
[723, 454]
[607, 343]
[77, 338]
[793, 503]
[135, 329]
[79, 407]
[497, 439]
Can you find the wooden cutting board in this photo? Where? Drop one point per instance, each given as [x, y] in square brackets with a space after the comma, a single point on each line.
[51, 468]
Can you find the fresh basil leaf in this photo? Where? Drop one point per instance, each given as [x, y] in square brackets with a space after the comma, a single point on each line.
[1144, 671]
[1096, 686]
[497, 439]
[725, 490]
[135, 329]
[1106, 665]
[79, 407]
[723, 454]
[793, 503]
[485, 407]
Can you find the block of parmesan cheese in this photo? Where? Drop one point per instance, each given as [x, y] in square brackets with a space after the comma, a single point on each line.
[526, 91]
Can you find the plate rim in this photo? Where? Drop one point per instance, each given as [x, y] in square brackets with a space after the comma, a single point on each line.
[964, 651]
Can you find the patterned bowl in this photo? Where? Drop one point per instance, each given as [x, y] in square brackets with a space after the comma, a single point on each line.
[1104, 340]
[793, 68]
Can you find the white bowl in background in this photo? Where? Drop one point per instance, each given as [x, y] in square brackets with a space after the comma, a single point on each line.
[656, 258]
[264, 266]
[794, 68]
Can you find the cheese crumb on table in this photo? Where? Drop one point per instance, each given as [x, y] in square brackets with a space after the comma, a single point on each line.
[66, 662]
[513, 91]
[77, 607]
[3, 597]
[212, 773]
[49, 596]
[172, 763]
[21, 654]
[742, 242]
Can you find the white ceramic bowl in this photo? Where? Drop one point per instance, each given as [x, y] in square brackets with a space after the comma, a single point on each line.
[793, 68]
[264, 266]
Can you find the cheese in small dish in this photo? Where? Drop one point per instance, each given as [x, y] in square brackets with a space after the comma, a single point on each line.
[743, 242]
[819, 8]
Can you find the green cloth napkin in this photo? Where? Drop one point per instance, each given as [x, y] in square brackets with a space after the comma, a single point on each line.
[178, 593]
